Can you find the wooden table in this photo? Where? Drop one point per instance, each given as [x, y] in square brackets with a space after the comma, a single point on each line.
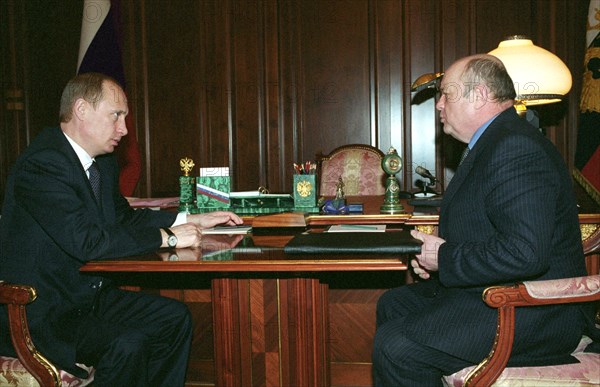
[263, 318]
[270, 310]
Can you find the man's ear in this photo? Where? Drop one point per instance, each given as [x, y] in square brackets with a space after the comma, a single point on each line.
[482, 95]
[80, 108]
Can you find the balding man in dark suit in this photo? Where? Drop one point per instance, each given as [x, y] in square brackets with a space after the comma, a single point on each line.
[63, 208]
[509, 214]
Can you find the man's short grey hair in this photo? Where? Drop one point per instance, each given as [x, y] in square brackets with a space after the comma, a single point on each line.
[489, 71]
[88, 86]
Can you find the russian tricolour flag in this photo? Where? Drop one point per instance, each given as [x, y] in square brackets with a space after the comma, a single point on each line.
[100, 51]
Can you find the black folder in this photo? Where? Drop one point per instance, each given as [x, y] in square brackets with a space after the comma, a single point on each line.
[390, 242]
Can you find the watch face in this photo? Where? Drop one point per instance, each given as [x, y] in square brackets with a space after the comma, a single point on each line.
[172, 241]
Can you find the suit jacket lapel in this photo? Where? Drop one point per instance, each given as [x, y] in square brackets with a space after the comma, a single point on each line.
[463, 170]
[66, 148]
[106, 188]
[459, 177]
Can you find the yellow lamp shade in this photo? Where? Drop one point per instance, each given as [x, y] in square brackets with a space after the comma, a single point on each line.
[540, 77]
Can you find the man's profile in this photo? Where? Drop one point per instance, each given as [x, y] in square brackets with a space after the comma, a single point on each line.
[62, 209]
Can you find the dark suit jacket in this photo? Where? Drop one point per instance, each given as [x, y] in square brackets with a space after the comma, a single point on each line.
[51, 226]
[509, 214]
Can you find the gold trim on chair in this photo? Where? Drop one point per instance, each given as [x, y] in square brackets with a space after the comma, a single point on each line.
[16, 297]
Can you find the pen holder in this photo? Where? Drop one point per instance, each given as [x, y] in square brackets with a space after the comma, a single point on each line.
[305, 191]
[186, 193]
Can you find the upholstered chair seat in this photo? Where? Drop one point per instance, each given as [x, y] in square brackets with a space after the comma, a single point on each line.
[493, 370]
[30, 368]
[14, 374]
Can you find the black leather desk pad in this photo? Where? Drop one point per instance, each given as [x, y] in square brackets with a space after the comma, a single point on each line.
[389, 242]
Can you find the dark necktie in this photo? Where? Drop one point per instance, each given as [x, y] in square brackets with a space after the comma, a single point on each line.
[95, 180]
[464, 155]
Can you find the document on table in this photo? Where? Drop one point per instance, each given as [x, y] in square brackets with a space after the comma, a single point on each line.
[392, 242]
[227, 230]
[357, 228]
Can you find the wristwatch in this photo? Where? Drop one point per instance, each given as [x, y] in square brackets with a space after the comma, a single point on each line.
[171, 238]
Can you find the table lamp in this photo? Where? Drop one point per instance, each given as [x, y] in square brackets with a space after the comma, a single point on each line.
[539, 76]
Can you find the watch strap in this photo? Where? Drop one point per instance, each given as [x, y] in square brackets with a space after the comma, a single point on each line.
[168, 231]
[170, 235]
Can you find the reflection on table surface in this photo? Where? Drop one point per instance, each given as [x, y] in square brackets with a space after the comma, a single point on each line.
[246, 253]
[263, 251]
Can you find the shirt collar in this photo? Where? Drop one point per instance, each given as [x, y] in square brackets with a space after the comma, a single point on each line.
[85, 159]
[480, 131]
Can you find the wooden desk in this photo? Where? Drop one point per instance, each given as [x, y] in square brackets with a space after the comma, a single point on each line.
[270, 311]
[272, 320]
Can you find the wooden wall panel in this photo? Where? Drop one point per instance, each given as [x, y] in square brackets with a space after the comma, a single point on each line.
[38, 52]
[284, 149]
[216, 85]
[422, 36]
[335, 75]
[273, 170]
[12, 108]
[248, 92]
[172, 88]
[257, 85]
[388, 88]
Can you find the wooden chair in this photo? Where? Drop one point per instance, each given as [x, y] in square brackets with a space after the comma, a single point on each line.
[493, 371]
[359, 167]
[30, 367]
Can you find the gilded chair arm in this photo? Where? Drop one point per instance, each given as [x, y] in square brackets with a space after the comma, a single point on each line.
[16, 297]
[530, 293]
[16, 294]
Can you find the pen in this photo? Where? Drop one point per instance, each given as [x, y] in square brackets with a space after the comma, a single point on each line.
[298, 169]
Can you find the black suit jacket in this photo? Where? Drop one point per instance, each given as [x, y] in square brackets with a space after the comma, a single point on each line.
[509, 214]
[51, 226]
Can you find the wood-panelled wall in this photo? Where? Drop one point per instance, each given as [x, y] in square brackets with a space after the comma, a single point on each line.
[259, 84]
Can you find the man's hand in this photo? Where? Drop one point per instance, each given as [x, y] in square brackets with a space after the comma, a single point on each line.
[212, 219]
[209, 243]
[188, 235]
[427, 261]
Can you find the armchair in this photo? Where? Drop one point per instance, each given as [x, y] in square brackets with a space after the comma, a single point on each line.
[30, 367]
[531, 293]
[358, 165]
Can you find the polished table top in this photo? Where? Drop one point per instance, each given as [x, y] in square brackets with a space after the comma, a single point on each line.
[264, 252]
[246, 253]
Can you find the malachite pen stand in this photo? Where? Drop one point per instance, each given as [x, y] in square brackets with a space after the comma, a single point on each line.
[187, 186]
[305, 192]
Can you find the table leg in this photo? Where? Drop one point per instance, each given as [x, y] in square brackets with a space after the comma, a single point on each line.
[271, 332]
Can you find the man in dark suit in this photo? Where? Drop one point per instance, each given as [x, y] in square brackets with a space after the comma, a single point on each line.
[509, 214]
[60, 212]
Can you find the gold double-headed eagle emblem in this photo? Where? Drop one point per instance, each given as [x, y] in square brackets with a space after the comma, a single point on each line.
[304, 188]
[186, 165]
